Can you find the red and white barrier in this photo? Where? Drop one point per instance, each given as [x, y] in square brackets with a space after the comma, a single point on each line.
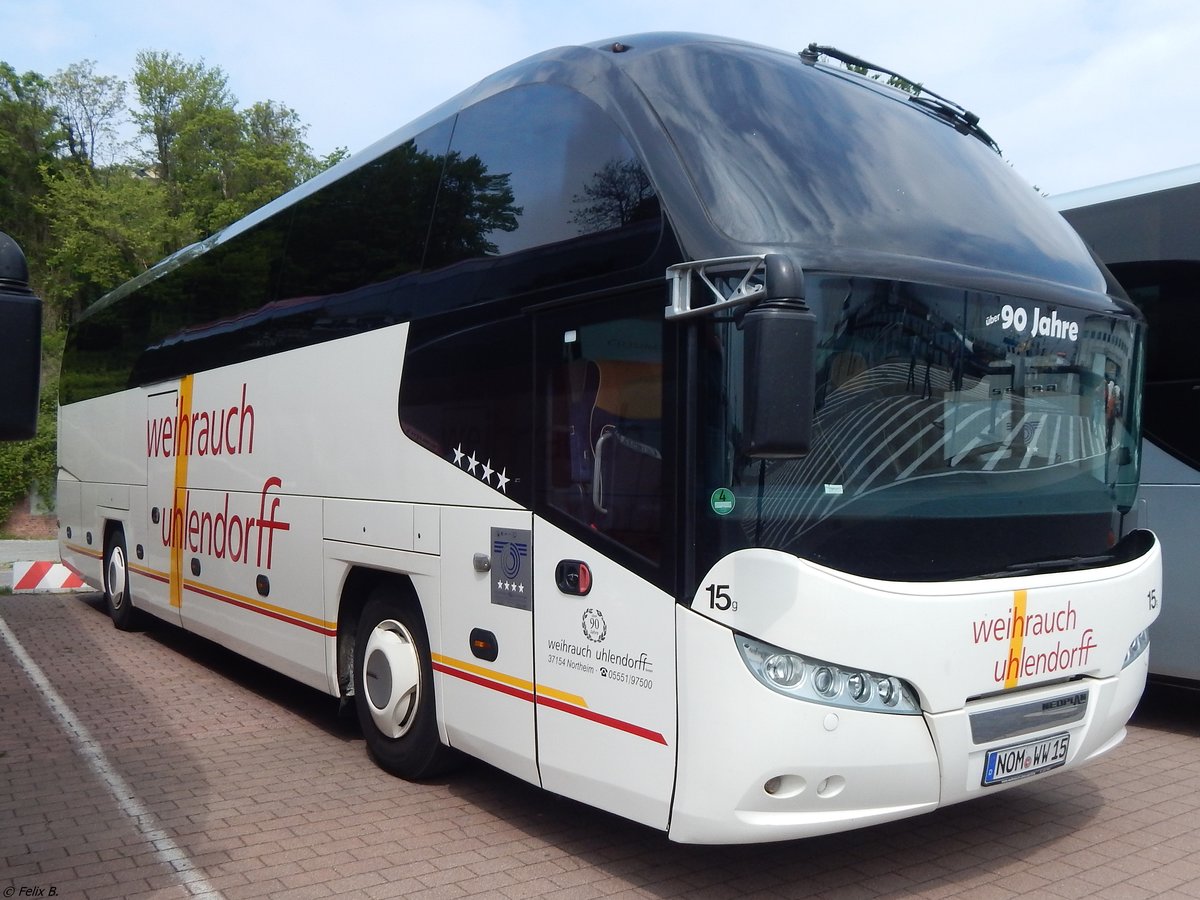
[44, 576]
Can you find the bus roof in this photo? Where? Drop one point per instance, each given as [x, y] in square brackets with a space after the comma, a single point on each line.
[1129, 187]
[823, 190]
[749, 150]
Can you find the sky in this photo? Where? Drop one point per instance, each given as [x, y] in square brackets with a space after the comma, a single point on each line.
[1077, 93]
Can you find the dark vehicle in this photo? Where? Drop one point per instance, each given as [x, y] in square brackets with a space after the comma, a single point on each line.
[20, 345]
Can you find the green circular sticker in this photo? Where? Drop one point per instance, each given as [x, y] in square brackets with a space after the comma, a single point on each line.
[722, 501]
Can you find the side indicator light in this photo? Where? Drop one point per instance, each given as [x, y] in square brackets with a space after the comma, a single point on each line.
[484, 645]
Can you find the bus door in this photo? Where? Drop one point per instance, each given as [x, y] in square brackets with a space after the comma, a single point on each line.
[150, 574]
[604, 642]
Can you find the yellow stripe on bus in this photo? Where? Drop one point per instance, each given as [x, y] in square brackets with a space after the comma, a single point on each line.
[483, 672]
[254, 605]
[182, 443]
[510, 680]
[573, 699]
[1017, 641]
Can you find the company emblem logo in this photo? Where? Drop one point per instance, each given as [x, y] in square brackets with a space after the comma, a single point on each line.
[595, 629]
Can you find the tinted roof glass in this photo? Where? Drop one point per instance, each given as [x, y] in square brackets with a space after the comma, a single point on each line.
[782, 152]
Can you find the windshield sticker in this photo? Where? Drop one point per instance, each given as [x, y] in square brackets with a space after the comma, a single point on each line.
[1040, 324]
[722, 501]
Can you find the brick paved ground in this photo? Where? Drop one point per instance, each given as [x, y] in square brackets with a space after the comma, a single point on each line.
[242, 783]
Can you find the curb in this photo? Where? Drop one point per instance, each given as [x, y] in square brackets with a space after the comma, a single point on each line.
[41, 577]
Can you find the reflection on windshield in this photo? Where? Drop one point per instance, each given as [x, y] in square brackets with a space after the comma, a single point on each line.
[944, 418]
[786, 153]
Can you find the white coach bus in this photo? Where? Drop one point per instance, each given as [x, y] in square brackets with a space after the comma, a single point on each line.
[1147, 231]
[710, 434]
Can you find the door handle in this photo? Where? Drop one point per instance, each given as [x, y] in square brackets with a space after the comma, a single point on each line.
[573, 577]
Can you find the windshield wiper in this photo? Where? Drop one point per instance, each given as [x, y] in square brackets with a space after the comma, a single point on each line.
[1066, 564]
[963, 120]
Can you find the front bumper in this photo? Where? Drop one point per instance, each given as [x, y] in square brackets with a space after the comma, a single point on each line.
[758, 766]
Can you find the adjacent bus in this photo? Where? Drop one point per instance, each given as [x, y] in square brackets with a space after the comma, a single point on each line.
[1147, 231]
[710, 434]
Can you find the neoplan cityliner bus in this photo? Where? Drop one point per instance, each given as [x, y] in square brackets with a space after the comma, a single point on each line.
[815, 533]
[1147, 231]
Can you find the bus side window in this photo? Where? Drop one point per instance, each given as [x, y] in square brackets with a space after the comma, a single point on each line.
[465, 393]
[605, 435]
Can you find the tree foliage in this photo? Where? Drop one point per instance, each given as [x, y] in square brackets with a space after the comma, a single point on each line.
[90, 109]
[91, 210]
[472, 205]
[618, 195]
[30, 140]
[105, 227]
[176, 96]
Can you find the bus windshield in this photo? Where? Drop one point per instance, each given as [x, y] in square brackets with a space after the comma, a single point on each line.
[957, 434]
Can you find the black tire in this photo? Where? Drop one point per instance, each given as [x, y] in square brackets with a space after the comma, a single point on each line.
[116, 583]
[393, 688]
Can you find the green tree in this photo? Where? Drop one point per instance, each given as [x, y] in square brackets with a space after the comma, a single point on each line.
[173, 92]
[206, 152]
[240, 161]
[91, 213]
[106, 227]
[218, 163]
[29, 140]
[90, 108]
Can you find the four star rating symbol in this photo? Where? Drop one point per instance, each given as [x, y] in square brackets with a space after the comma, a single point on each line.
[485, 473]
[510, 587]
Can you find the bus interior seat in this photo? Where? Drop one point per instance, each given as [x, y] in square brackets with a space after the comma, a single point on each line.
[626, 434]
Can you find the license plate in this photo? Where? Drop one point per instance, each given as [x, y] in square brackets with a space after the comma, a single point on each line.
[1029, 758]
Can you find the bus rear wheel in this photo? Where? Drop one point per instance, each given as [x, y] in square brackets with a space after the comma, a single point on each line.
[116, 583]
[393, 691]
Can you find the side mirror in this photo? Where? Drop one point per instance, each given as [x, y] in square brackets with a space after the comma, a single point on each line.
[20, 345]
[780, 367]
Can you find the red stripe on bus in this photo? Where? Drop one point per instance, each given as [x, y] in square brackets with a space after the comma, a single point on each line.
[319, 629]
[627, 727]
[484, 682]
[581, 712]
[149, 573]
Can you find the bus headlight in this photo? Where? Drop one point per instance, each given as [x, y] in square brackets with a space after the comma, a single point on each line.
[1137, 647]
[823, 682]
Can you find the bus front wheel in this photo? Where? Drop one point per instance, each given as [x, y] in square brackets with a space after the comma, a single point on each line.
[393, 693]
[116, 583]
